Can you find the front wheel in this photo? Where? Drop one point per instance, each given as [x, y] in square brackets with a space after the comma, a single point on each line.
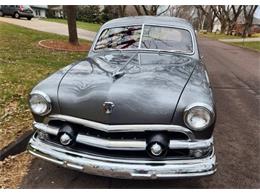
[16, 15]
[29, 18]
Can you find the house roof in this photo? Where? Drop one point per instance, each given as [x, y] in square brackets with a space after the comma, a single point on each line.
[55, 7]
[39, 6]
[256, 20]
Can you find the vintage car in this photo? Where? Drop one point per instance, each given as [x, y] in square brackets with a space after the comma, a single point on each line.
[139, 106]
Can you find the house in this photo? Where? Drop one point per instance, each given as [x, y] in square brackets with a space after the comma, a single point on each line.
[216, 26]
[55, 11]
[39, 11]
[255, 28]
[256, 25]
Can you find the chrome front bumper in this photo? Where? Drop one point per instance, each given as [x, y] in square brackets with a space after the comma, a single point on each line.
[120, 168]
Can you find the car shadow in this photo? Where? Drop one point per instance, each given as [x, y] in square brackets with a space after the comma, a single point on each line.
[21, 18]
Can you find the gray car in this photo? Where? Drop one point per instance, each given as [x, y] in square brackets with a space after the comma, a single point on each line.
[16, 11]
[139, 106]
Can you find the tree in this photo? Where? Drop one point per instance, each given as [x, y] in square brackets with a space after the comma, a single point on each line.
[108, 13]
[187, 12]
[138, 10]
[153, 10]
[207, 16]
[89, 13]
[71, 12]
[232, 17]
[121, 10]
[221, 12]
[248, 11]
[227, 15]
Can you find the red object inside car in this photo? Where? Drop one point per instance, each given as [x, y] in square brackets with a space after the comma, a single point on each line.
[21, 7]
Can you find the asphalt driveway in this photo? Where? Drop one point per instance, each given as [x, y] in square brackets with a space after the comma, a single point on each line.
[51, 27]
[235, 76]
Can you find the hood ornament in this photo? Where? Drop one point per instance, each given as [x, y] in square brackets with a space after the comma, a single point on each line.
[108, 107]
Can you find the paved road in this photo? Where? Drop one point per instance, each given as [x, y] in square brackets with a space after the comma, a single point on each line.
[235, 76]
[51, 27]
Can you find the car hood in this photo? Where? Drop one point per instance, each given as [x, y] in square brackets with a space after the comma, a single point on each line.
[144, 87]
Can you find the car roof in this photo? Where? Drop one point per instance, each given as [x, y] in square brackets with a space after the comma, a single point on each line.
[155, 20]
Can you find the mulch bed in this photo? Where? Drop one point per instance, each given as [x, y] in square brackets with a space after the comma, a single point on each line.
[60, 45]
[13, 169]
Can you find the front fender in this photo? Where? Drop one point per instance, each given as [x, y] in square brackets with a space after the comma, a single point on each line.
[197, 90]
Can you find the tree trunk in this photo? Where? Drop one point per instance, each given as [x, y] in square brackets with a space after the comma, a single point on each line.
[223, 26]
[138, 10]
[249, 15]
[210, 26]
[71, 11]
[121, 10]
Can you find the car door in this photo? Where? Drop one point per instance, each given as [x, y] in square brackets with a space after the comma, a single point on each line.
[5, 9]
[11, 9]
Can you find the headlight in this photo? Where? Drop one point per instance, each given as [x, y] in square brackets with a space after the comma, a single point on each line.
[198, 116]
[40, 103]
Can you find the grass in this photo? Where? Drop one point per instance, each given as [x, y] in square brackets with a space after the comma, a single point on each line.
[250, 45]
[255, 45]
[22, 65]
[83, 25]
[224, 36]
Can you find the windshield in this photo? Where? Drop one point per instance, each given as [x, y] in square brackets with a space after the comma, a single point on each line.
[152, 37]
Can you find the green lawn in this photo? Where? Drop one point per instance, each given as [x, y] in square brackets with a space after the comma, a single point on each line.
[251, 45]
[23, 64]
[84, 25]
[223, 36]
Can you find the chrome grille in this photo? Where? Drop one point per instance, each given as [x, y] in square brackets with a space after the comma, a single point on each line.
[118, 141]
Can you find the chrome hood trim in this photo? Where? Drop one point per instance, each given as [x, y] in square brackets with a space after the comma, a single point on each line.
[121, 128]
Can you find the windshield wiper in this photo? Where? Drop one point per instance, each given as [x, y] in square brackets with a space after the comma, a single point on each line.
[121, 72]
[172, 51]
[128, 61]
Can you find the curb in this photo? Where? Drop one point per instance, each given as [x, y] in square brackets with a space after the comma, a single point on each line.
[40, 43]
[250, 49]
[17, 146]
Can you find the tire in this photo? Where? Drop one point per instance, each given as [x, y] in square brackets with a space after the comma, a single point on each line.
[29, 18]
[17, 15]
[1, 14]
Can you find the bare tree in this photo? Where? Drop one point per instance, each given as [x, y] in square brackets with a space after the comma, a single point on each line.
[71, 12]
[248, 11]
[150, 10]
[138, 10]
[163, 11]
[187, 12]
[226, 14]
[233, 16]
[222, 12]
[121, 10]
[207, 16]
